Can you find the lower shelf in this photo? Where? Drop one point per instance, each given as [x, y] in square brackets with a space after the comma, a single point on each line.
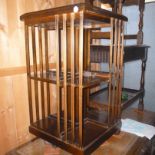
[99, 100]
[94, 134]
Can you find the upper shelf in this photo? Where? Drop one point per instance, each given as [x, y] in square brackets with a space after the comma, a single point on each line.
[90, 13]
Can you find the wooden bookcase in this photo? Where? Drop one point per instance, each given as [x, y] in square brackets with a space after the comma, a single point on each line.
[74, 126]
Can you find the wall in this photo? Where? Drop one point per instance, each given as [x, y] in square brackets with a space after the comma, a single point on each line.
[149, 39]
[132, 70]
[14, 116]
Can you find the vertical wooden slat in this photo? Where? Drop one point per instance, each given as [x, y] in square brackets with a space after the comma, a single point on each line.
[118, 69]
[41, 72]
[77, 48]
[58, 98]
[28, 72]
[87, 43]
[121, 66]
[65, 73]
[72, 78]
[110, 71]
[119, 62]
[114, 81]
[47, 69]
[86, 64]
[81, 79]
[35, 72]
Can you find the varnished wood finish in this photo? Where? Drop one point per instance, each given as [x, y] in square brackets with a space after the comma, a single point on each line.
[106, 35]
[110, 71]
[81, 78]
[89, 13]
[72, 77]
[100, 35]
[73, 123]
[65, 75]
[35, 71]
[41, 71]
[58, 90]
[121, 64]
[89, 129]
[47, 68]
[28, 72]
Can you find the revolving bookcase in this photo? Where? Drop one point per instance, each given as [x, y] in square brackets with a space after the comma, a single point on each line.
[72, 125]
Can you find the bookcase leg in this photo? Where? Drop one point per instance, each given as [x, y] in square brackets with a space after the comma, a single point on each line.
[142, 84]
[141, 103]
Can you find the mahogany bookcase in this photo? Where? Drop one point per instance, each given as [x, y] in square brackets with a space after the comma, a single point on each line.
[73, 126]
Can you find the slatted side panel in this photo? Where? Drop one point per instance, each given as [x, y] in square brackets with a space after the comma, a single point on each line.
[116, 70]
[42, 102]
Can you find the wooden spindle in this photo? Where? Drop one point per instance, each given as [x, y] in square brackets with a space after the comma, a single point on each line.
[65, 73]
[114, 79]
[47, 70]
[87, 40]
[72, 78]
[117, 69]
[41, 72]
[81, 79]
[110, 71]
[121, 67]
[58, 89]
[28, 72]
[35, 72]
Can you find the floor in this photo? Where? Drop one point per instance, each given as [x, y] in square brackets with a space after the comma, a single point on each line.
[40, 147]
[113, 146]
